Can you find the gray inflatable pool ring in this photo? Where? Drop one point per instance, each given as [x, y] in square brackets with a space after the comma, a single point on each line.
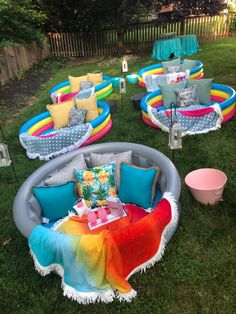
[26, 209]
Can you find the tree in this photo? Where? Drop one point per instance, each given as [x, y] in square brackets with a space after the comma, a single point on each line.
[95, 15]
[20, 22]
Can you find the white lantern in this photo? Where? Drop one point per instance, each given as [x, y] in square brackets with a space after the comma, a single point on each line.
[124, 66]
[175, 136]
[122, 85]
[5, 160]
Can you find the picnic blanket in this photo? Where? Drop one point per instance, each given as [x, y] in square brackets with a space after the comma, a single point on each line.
[195, 119]
[96, 267]
[56, 142]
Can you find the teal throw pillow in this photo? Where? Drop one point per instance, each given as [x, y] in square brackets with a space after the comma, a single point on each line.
[173, 62]
[188, 64]
[169, 94]
[55, 201]
[203, 89]
[137, 185]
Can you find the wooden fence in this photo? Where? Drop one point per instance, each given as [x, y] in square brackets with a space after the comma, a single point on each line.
[142, 34]
[15, 60]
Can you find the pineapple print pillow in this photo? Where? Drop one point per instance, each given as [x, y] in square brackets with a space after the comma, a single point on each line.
[96, 184]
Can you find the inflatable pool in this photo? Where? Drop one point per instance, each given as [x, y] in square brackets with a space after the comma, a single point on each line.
[42, 124]
[101, 90]
[224, 95]
[136, 242]
[195, 73]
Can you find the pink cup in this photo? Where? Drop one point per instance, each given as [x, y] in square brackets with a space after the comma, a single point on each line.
[92, 218]
[102, 214]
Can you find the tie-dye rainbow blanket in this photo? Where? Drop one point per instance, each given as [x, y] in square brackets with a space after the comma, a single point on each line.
[96, 266]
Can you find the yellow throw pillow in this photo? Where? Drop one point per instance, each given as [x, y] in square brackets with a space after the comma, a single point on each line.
[96, 78]
[75, 82]
[60, 113]
[90, 104]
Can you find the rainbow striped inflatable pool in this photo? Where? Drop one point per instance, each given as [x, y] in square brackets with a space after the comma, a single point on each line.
[101, 90]
[42, 124]
[195, 73]
[224, 95]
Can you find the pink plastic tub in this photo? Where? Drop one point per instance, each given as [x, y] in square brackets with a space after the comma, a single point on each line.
[206, 185]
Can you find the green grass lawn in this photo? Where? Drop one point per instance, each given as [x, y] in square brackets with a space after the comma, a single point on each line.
[196, 274]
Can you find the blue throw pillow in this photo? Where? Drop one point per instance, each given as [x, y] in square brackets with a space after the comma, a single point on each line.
[55, 201]
[137, 185]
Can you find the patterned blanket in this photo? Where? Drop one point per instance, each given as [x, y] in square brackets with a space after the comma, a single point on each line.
[195, 119]
[56, 142]
[96, 266]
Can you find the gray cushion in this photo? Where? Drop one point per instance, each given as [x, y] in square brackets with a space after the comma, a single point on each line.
[102, 159]
[203, 89]
[66, 173]
[189, 64]
[168, 93]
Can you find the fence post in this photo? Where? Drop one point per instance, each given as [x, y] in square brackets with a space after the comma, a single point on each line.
[182, 28]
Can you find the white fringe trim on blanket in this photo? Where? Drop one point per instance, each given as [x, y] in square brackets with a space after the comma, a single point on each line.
[63, 150]
[109, 295]
[80, 297]
[171, 226]
[216, 108]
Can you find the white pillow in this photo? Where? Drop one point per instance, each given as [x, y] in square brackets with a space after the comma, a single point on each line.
[67, 172]
[103, 159]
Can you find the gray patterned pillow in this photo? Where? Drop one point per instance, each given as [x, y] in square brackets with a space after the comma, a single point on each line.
[86, 85]
[187, 96]
[86, 93]
[174, 69]
[76, 116]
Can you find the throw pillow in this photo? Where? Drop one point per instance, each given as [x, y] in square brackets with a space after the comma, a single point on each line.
[86, 85]
[188, 64]
[173, 62]
[153, 81]
[60, 113]
[102, 159]
[174, 69]
[76, 116]
[187, 96]
[90, 104]
[56, 201]
[96, 184]
[86, 93]
[66, 173]
[96, 78]
[75, 82]
[203, 89]
[137, 185]
[169, 94]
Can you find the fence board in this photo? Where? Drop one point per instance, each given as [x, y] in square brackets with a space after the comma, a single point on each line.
[106, 42]
[15, 60]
